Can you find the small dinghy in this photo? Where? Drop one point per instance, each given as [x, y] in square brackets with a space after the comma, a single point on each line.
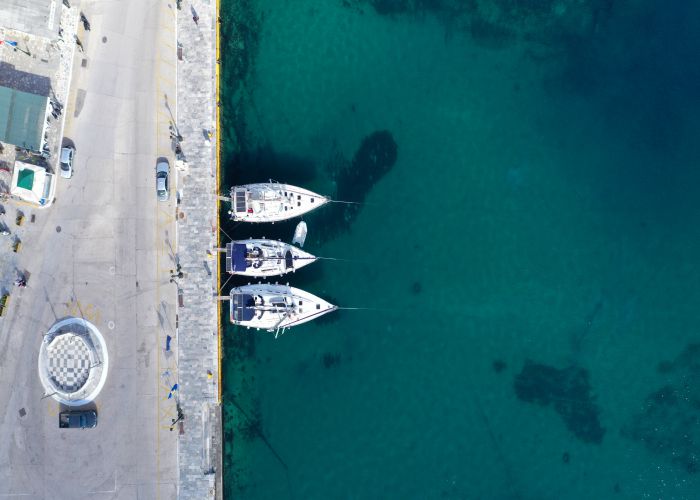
[272, 202]
[263, 258]
[300, 234]
[275, 307]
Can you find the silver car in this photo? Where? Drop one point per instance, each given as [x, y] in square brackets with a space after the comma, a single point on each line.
[66, 162]
[162, 175]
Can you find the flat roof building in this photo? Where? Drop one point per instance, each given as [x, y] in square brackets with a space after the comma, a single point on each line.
[22, 118]
[33, 184]
[36, 17]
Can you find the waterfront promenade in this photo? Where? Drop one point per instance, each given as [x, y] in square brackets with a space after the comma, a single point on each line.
[199, 450]
[103, 251]
[108, 251]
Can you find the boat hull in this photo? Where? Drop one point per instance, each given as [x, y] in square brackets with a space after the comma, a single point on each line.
[262, 258]
[272, 202]
[275, 307]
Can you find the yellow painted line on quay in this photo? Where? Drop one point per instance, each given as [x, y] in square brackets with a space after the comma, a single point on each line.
[162, 414]
[218, 185]
[166, 80]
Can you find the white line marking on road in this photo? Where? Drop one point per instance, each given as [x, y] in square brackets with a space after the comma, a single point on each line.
[114, 490]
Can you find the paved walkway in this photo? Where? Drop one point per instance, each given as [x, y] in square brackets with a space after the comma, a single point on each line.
[199, 451]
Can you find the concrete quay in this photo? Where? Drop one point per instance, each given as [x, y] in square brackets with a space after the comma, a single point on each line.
[199, 447]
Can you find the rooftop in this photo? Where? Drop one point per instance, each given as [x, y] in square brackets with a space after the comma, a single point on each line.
[22, 118]
[36, 17]
[32, 183]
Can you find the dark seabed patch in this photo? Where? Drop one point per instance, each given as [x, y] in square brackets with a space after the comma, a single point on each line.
[497, 24]
[489, 34]
[669, 424]
[241, 345]
[374, 158]
[250, 164]
[252, 427]
[331, 359]
[240, 39]
[568, 390]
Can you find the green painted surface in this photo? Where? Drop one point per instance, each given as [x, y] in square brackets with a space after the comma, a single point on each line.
[25, 179]
[21, 118]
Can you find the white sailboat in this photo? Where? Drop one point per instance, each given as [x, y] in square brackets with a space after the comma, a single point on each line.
[262, 258]
[275, 307]
[272, 202]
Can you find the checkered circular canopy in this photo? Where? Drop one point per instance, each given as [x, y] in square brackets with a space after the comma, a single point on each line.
[68, 362]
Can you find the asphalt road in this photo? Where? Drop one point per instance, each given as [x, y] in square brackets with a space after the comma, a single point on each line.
[103, 251]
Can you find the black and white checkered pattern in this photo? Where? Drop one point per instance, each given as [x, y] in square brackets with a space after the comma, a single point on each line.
[69, 363]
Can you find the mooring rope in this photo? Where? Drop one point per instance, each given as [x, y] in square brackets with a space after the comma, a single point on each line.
[347, 202]
[365, 309]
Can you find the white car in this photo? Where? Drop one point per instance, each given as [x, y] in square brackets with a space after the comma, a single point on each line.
[162, 174]
[66, 162]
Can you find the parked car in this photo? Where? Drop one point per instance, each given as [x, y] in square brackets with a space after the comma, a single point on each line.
[86, 419]
[162, 180]
[66, 162]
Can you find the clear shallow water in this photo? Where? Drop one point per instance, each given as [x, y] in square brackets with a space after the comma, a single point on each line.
[542, 209]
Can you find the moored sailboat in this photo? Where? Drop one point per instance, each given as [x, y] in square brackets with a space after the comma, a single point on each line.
[272, 202]
[275, 307]
[263, 258]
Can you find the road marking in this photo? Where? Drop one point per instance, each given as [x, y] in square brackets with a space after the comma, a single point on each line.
[217, 97]
[166, 80]
[167, 416]
[88, 311]
[114, 490]
[169, 217]
[52, 408]
[163, 219]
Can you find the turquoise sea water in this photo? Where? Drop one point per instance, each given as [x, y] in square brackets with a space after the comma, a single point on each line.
[530, 254]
